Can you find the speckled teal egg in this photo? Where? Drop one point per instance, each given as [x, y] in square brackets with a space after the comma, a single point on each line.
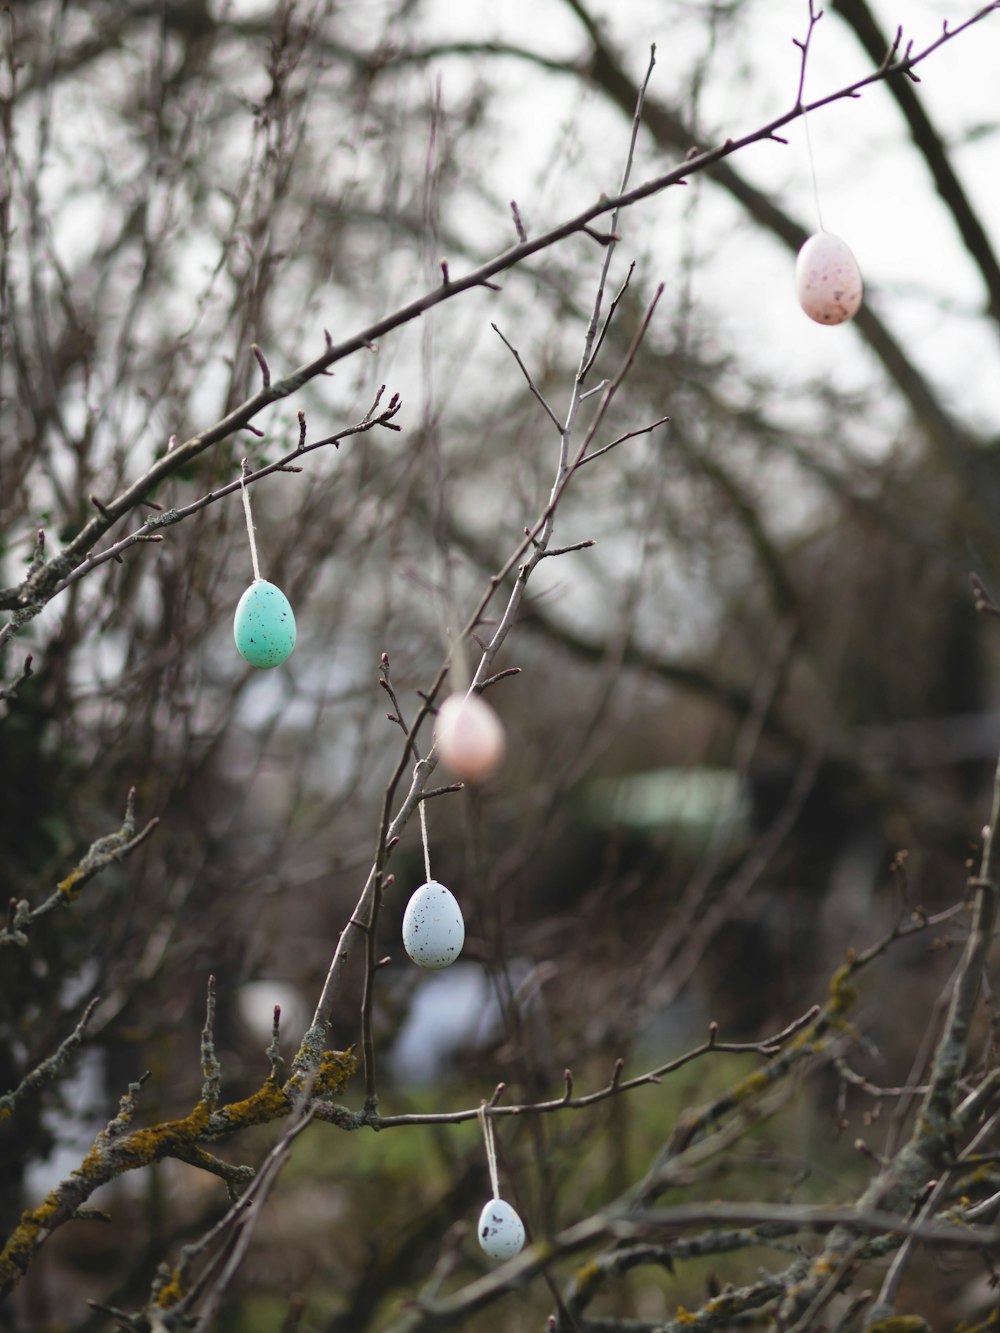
[264, 627]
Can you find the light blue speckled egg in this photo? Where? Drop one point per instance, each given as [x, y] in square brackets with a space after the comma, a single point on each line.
[264, 626]
[433, 926]
[501, 1231]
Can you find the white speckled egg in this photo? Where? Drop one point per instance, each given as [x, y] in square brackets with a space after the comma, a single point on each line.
[433, 926]
[469, 737]
[264, 626]
[828, 280]
[501, 1231]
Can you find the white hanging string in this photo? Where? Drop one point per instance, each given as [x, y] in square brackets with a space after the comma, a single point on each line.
[812, 171]
[491, 1149]
[423, 835]
[249, 517]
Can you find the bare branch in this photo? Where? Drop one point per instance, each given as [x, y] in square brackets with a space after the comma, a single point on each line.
[104, 852]
[48, 1069]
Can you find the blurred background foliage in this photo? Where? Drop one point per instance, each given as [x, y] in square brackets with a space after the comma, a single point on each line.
[766, 679]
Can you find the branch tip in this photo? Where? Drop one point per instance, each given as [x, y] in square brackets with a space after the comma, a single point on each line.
[522, 235]
[265, 369]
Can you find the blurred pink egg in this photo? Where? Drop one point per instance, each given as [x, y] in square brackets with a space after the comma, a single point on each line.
[469, 737]
[828, 280]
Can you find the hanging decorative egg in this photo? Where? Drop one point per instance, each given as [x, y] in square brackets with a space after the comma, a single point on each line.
[433, 926]
[828, 280]
[501, 1231]
[469, 737]
[264, 626]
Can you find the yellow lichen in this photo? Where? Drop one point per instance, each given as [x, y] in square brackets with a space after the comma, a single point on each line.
[268, 1103]
[904, 1323]
[842, 994]
[335, 1068]
[720, 1306]
[588, 1276]
[24, 1240]
[71, 886]
[171, 1292]
[755, 1082]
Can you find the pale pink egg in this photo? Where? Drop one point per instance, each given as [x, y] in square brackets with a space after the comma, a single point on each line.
[469, 737]
[828, 280]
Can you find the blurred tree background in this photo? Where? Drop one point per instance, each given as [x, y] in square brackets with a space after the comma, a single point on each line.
[754, 726]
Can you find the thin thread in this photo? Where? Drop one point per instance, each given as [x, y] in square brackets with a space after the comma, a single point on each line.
[812, 171]
[246, 510]
[491, 1149]
[423, 835]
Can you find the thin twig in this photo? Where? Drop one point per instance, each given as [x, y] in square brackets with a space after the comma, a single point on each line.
[243, 1218]
[49, 1068]
[615, 1085]
[106, 851]
[9, 690]
[592, 341]
[522, 235]
[531, 383]
[803, 46]
[611, 311]
[629, 435]
[177, 515]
